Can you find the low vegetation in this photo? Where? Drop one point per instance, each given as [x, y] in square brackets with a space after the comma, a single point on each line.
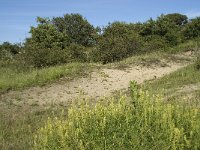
[144, 122]
[14, 78]
[181, 86]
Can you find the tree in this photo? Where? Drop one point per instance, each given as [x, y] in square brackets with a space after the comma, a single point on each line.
[177, 19]
[46, 35]
[11, 48]
[192, 29]
[117, 41]
[168, 27]
[78, 29]
[46, 45]
[148, 28]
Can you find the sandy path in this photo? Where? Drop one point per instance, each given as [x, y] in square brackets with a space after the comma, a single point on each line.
[100, 83]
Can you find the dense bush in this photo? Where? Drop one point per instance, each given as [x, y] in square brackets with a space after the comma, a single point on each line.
[72, 38]
[145, 122]
[117, 42]
[77, 53]
[192, 29]
[8, 50]
[198, 63]
[60, 40]
[78, 29]
[153, 43]
[43, 57]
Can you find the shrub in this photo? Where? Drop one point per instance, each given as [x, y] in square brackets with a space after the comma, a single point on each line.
[42, 57]
[77, 53]
[192, 29]
[115, 48]
[78, 29]
[198, 63]
[198, 53]
[144, 122]
[153, 43]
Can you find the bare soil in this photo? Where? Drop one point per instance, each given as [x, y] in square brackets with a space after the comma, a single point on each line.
[100, 83]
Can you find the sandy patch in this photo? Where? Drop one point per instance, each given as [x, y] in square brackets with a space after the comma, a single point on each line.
[99, 84]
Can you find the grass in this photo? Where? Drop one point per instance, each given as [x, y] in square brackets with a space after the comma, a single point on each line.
[17, 125]
[15, 79]
[172, 85]
[145, 122]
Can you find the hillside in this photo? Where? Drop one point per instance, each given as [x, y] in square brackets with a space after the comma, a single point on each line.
[72, 85]
[99, 83]
[30, 107]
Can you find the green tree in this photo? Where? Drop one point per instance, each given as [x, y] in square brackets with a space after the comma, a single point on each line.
[117, 41]
[192, 29]
[46, 45]
[168, 27]
[177, 19]
[11, 48]
[46, 35]
[78, 29]
[148, 28]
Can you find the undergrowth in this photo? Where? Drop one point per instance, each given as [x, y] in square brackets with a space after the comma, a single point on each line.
[144, 122]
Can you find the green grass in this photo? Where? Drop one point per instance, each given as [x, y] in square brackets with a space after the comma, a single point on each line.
[181, 77]
[189, 45]
[14, 79]
[171, 84]
[17, 125]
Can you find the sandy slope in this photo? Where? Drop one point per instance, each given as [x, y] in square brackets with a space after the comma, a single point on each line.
[100, 83]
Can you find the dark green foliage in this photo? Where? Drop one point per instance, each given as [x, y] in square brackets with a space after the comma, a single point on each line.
[60, 40]
[192, 29]
[198, 53]
[118, 41]
[168, 27]
[46, 46]
[172, 38]
[153, 43]
[77, 53]
[177, 18]
[42, 57]
[46, 35]
[12, 48]
[79, 30]
[72, 38]
[148, 28]
[198, 63]
[8, 50]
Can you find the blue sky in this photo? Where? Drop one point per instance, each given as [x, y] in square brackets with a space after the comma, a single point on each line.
[16, 16]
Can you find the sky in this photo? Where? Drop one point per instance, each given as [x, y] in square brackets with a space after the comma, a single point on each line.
[17, 16]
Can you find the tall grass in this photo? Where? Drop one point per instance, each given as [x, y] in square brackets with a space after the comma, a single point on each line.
[144, 122]
[171, 84]
[181, 77]
[14, 78]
